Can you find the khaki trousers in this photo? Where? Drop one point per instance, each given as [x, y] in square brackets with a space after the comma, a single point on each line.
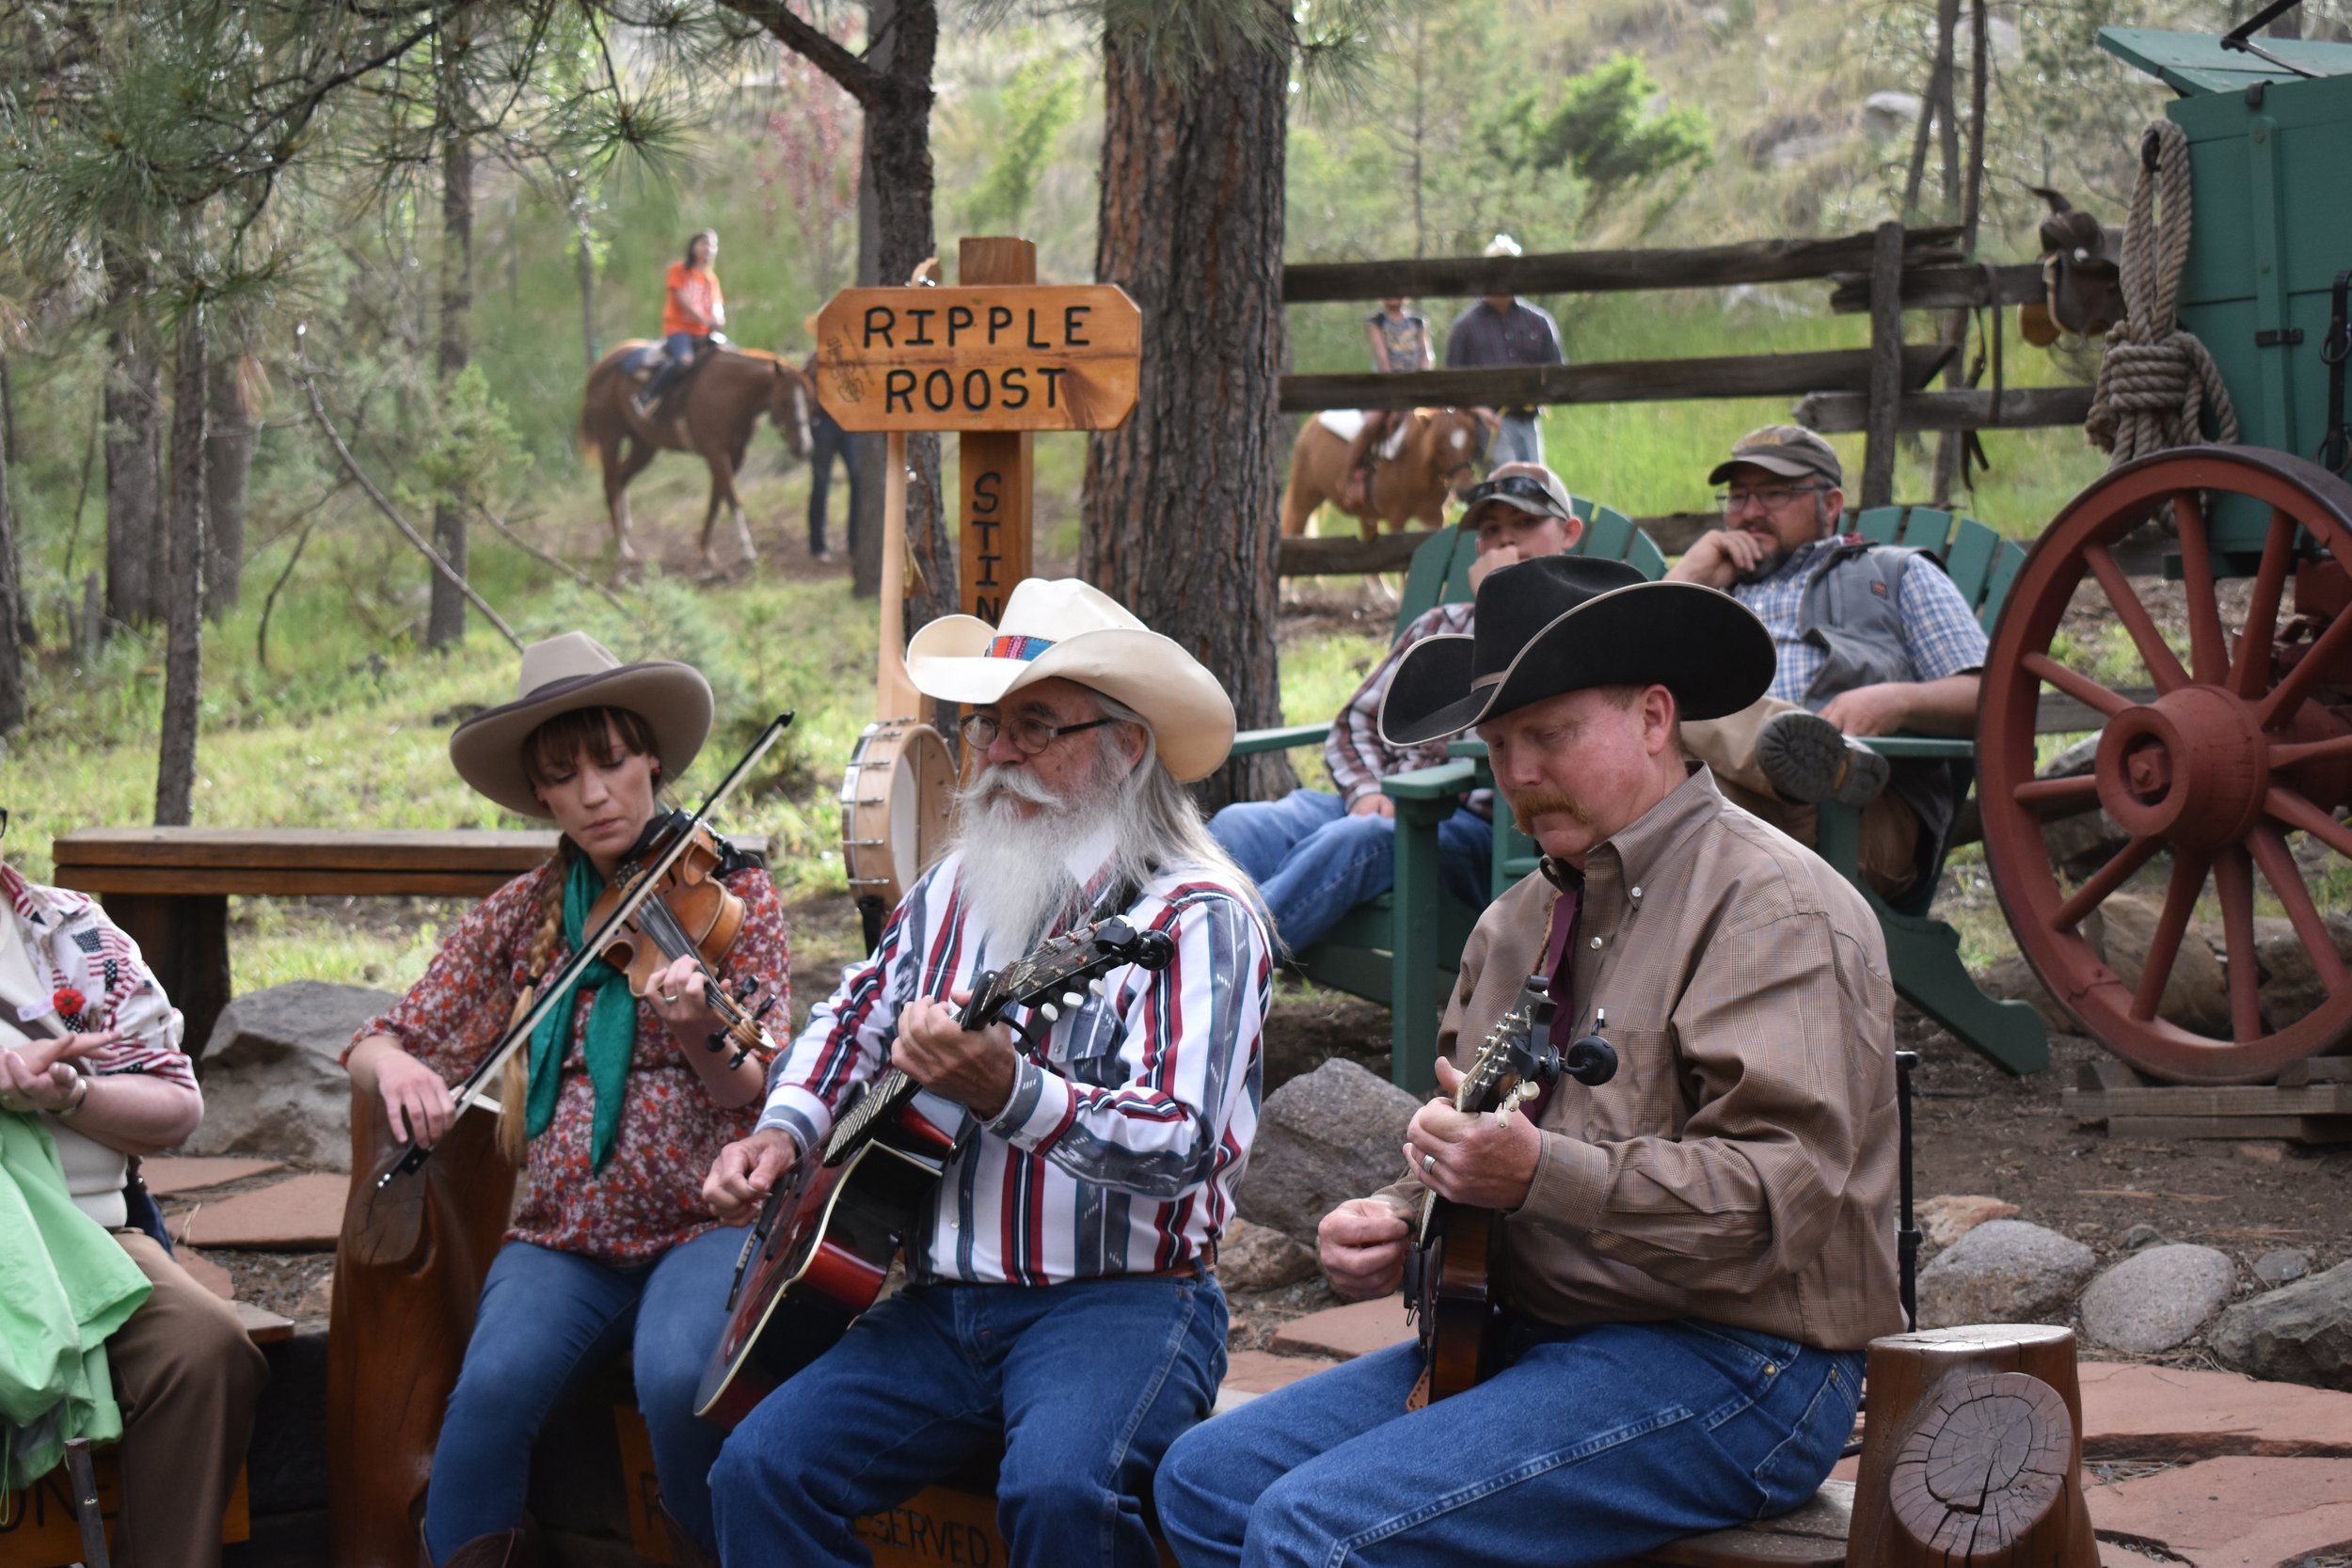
[1890, 830]
[187, 1378]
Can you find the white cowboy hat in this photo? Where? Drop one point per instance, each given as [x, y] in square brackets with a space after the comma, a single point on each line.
[1502, 245]
[1064, 627]
[561, 676]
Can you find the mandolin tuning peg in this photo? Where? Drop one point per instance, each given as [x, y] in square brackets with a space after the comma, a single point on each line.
[1098, 987]
[1049, 1010]
[1072, 999]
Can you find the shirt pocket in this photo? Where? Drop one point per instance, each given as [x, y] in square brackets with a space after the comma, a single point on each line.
[1087, 1045]
[1643, 1098]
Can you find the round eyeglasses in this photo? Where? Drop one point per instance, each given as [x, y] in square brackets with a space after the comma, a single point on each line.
[1029, 736]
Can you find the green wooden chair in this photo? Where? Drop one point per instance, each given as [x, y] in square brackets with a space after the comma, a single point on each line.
[1403, 948]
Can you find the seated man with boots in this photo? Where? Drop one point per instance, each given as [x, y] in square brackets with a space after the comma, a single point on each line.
[1062, 1297]
[1696, 1253]
[1317, 855]
[1871, 638]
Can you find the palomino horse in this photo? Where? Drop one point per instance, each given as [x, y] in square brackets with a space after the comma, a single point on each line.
[1438, 456]
[711, 416]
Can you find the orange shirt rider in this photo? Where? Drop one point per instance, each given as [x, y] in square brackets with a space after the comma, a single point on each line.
[693, 304]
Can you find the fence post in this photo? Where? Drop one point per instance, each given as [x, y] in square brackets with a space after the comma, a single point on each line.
[1886, 365]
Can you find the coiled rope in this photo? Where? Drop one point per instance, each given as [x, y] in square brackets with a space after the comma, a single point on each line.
[2157, 382]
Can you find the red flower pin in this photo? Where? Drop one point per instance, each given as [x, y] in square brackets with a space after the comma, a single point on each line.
[68, 1001]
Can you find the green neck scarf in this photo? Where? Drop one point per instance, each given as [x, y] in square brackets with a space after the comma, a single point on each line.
[612, 1027]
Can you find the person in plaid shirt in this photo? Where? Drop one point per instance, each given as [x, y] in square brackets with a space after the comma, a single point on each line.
[1869, 642]
[1317, 854]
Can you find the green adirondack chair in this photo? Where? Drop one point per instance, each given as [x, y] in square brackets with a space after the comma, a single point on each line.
[1403, 948]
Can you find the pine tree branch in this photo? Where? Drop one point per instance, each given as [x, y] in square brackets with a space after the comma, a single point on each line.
[856, 77]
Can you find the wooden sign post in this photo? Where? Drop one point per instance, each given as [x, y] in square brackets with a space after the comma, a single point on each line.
[996, 358]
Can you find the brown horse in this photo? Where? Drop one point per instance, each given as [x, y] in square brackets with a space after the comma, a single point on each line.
[712, 415]
[1437, 457]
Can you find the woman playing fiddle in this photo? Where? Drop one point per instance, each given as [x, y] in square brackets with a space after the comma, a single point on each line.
[615, 1107]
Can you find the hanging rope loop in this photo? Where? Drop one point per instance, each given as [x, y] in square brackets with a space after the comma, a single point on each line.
[2158, 380]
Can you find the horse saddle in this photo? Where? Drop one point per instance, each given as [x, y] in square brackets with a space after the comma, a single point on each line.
[640, 362]
[1345, 422]
[2082, 278]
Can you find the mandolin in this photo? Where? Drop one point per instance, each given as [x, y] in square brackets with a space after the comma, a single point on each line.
[1450, 1271]
[823, 1245]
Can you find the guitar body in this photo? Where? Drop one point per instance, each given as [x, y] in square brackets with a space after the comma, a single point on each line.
[820, 1255]
[1461, 1331]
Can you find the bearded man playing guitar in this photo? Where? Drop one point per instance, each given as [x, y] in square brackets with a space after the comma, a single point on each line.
[1695, 1251]
[1061, 1296]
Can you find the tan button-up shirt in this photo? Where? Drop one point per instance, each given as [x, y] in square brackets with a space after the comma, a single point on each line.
[1740, 1166]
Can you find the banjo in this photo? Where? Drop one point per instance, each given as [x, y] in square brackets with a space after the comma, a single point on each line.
[897, 792]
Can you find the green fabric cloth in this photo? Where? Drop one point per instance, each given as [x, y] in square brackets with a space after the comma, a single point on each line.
[611, 1028]
[67, 1286]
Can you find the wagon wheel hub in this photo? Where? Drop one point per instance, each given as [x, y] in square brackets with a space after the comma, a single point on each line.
[2190, 768]
[2225, 766]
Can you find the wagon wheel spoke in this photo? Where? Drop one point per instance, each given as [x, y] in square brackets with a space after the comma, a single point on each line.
[2208, 645]
[2048, 798]
[2180, 901]
[2250, 671]
[2103, 882]
[2233, 879]
[2286, 805]
[2164, 665]
[2289, 693]
[2076, 685]
[2289, 754]
[2286, 880]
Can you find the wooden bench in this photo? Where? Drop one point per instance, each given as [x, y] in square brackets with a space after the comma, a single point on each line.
[169, 887]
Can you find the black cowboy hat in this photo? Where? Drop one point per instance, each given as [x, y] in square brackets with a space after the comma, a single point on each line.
[1564, 623]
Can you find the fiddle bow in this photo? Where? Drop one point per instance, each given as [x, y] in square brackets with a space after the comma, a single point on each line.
[470, 1091]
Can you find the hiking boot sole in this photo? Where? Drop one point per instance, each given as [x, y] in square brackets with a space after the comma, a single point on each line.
[1810, 760]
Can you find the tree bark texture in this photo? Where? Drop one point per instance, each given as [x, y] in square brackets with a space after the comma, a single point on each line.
[227, 476]
[1180, 511]
[135, 480]
[445, 620]
[184, 643]
[11, 610]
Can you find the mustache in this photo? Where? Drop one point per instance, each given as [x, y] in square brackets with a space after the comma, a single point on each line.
[995, 780]
[1546, 803]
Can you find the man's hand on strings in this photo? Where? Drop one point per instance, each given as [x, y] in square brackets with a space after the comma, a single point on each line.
[975, 1069]
[1477, 1159]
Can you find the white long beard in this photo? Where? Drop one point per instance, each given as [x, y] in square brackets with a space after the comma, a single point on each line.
[1016, 875]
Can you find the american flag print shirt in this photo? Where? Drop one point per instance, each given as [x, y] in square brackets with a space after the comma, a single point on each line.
[1121, 1147]
[69, 936]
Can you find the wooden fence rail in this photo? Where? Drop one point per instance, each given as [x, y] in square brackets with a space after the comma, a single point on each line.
[1745, 376]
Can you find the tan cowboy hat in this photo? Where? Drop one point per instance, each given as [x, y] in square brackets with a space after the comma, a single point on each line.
[563, 675]
[1064, 627]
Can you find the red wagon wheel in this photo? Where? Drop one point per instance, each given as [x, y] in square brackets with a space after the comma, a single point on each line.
[2235, 750]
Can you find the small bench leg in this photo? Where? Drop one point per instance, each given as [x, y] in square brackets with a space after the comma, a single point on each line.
[1924, 956]
[184, 938]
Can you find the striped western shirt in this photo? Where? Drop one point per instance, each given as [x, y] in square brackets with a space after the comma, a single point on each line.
[1121, 1145]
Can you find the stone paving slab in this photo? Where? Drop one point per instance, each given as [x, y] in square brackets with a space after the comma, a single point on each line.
[262, 1326]
[206, 1272]
[166, 1174]
[302, 1213]
[1251, 1372]
[2240, 1512]
[2132, 1411]
[1347, 1332]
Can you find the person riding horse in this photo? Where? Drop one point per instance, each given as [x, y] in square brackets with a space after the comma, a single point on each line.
[694, 310]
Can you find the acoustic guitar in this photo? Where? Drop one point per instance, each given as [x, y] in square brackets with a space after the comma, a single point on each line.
[1450, 1271]
[823, 1245]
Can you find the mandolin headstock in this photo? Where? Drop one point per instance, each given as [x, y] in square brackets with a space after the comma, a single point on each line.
[1518, 1060]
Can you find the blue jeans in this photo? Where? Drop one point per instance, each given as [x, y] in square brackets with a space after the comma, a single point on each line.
[546, 1319]
[1592, 1445]
[1520, 439]
[1314, 863]
[1085, 1384]
[682, 348]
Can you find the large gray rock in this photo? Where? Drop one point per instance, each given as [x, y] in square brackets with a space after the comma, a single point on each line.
[2299, 1332]
[1258, 1256]
[2195, 993]
[2156, 1299]
[1889, 113]
[272, 1084]
[2012, 979]
[2290, 986]
[1324, 1137]
[2003, 1272]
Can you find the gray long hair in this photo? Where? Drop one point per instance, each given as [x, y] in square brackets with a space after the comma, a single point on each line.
[1158, 823]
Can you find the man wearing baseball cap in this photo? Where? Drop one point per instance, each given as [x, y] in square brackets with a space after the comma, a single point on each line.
[1317, 854]
[1871, 638]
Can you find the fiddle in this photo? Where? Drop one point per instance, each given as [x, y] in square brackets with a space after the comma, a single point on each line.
[689, 912]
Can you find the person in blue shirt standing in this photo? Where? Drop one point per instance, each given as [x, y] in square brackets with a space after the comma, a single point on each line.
[1503, 329]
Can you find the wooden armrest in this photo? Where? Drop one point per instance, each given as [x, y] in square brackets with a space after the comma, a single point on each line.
[1441, 783]
[1251, 741]
[1950, 747]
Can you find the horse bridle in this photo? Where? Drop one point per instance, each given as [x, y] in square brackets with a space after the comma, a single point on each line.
[1477, 451]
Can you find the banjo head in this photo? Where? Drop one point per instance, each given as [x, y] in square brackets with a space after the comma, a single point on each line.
[897, 798]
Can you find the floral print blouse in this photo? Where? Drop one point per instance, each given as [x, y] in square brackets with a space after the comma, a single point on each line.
[648, 1196]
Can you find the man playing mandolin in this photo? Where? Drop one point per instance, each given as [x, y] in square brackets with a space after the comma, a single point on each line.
[1696, 1251]
[1062, 1297]
[613, 1109]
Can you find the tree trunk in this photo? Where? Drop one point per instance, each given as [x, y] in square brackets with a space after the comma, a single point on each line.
[11, 610]
[1181, 503]
[183, 645]
[445, 623]
[135, 480]
[868, 458]
[228, 473]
